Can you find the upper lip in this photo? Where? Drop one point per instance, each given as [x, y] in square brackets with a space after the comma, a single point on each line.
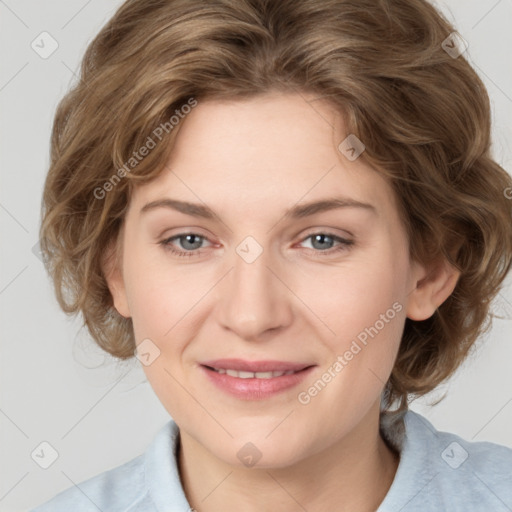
[242, 365]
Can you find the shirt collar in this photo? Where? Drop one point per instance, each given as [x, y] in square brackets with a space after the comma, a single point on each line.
[162, 474]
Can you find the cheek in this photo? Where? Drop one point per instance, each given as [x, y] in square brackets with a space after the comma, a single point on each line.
[151, 310]
[353, 296]
[159, 294]
[362, 308]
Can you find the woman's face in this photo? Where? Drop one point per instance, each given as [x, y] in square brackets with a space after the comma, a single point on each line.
[263, 249]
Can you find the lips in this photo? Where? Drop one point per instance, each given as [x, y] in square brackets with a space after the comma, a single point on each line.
[254, 380]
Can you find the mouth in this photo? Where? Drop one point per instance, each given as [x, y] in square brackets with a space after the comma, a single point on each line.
[250, 375]
[254, 380]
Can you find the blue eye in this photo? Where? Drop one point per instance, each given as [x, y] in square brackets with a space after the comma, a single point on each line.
[189, 241]
[323, 243]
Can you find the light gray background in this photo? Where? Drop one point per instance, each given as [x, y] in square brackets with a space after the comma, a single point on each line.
[55, 385]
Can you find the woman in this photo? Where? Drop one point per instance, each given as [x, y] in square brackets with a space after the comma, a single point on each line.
[289, 211]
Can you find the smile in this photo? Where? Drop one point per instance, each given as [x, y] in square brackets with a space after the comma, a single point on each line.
[252, 375]
[254, 380]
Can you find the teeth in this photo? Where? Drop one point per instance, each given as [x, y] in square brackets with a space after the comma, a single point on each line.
[265, 375]
[253, 375]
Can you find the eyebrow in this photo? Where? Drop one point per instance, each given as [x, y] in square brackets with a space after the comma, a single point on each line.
[296, 212]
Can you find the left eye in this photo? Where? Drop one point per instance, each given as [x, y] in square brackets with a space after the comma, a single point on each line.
[325, 241]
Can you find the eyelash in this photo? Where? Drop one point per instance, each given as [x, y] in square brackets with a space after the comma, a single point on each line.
[344, 244]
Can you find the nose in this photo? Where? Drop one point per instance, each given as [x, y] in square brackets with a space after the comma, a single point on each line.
[254, 298]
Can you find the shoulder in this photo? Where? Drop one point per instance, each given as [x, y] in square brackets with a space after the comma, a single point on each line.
[147, 483]
[456, 452]
[119, 489]
[440, 470]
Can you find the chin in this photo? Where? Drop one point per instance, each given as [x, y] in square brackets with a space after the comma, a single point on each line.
[259, 452]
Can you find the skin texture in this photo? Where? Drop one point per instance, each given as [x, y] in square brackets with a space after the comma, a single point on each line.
[249, 161]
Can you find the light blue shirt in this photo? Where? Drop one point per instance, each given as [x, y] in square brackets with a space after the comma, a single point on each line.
[438, 472]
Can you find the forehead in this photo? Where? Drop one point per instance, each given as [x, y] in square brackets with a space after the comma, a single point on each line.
[274, 150]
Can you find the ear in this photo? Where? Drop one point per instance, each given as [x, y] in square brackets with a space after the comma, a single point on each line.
[111, 266]
[434, 284]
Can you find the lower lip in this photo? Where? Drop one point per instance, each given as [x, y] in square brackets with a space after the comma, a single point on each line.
[255, 389]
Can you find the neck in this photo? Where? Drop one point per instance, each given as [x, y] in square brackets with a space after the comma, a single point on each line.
[354, 474]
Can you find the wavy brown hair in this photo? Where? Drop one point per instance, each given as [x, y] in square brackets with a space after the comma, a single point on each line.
[423, 115]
